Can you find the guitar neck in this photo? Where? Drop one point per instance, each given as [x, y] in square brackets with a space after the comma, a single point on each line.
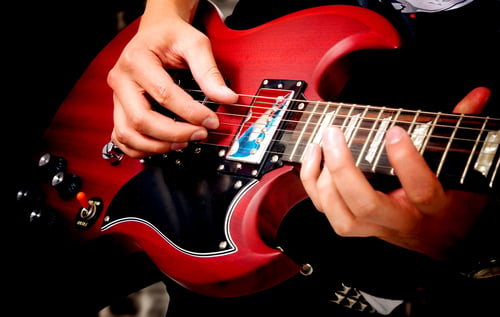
[460, 149]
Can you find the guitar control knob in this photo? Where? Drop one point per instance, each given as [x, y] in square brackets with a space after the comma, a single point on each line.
[29, 196]
[67, 185]
[112, 153]
[50, 165]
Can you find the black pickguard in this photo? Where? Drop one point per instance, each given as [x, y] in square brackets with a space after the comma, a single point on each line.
[183, 196]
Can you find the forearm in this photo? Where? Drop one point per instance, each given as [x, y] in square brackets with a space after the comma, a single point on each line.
[159, 9]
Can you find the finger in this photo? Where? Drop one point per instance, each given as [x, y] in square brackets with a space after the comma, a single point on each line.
[474, 101]
[357, 193]
[418, 181]
[206, 73]
[150, 75]
[134, 143]
[310, 172]
[136, 114]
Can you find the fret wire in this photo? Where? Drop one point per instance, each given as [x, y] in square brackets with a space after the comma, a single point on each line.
[337, 111]
[382, 145]
[365, 145]
[393, 124]
[409, 111]
[476, 144]
[412, 124]
[445, 152]
[317, 133]
[469, 160]
[349, 144]
[348, 115]
[429, 134]
[293, 99]
[303, 130]
[494, 174]
[436, 125]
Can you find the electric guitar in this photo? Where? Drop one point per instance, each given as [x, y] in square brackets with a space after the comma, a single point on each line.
[207, 215]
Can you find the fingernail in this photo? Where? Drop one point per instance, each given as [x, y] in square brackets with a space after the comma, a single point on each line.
[332, 137]
[333, 142]
[210, 123]
[178, 146]
[309, 152]
[199, 135]
[227, 91]
[393, 135]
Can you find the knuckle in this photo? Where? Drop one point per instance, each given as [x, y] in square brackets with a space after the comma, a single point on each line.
[367, 210]
[111, 78]
[162, 95]
[344, 228]
[138, 120]
[424, 196]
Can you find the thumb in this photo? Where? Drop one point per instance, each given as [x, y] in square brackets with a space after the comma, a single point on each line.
[474, 101]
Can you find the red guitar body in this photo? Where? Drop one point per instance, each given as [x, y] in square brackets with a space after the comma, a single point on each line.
[134, 202]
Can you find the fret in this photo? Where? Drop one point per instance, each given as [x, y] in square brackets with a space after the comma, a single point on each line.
[350, 127]
[394, 122]
[453, 145]
[319, 130]
[419, 135]
[488, 151]
[494, 174]
[446, 150]
[356, 129]
[337, 111]
[433, 125]
[418, 131]
[346, 119]
[473, 151]
[412, 125]
[369, 136]
[382, 146]
[303, 129]
[377, 140]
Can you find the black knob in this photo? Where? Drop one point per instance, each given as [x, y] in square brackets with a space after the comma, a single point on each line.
[67, 185]
[29, 196]
[49, 165]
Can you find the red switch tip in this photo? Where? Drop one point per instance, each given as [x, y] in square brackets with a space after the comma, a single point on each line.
[82, 198]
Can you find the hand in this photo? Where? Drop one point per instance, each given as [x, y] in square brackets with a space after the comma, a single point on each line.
[163, 41]
[421, 216]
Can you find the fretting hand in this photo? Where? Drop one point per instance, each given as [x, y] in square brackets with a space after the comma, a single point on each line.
[421, 216]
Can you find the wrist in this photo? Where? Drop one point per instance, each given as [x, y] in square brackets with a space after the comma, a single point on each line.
[158, 10]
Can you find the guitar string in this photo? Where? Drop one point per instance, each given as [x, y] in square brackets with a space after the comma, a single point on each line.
[361, 107]
[354, 151]
[368, 108]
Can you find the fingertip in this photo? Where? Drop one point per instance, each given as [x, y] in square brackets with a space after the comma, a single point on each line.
[394, 135]
[211, 123]
[227, 94]
[310, 162]
[310, 152]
